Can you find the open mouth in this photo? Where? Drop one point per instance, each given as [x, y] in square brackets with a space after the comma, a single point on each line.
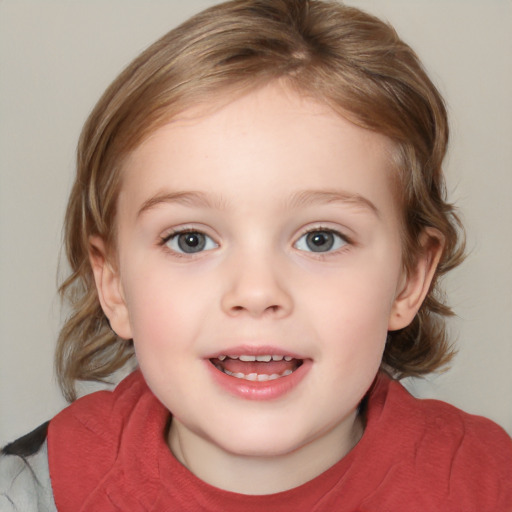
[258, 368]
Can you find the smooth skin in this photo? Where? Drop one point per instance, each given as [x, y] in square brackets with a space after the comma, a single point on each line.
[270, 221]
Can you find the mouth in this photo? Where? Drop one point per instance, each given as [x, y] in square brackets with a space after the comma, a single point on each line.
[257, 368]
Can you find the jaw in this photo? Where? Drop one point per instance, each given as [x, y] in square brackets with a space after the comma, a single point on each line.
[260, 456]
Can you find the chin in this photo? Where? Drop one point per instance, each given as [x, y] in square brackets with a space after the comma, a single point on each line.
[263, 445]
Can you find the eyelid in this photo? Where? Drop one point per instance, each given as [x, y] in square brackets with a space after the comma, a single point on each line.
[322, 227]
[176, 232]
[185, 228]
[316, 229]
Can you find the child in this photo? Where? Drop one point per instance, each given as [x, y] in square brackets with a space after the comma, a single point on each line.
[259, 217]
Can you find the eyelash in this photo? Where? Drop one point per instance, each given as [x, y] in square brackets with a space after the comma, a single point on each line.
[164, 241]
[322, 229]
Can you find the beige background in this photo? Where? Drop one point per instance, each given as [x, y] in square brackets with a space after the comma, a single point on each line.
[56, 57]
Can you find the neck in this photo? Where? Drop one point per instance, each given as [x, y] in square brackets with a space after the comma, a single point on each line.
[263, 474]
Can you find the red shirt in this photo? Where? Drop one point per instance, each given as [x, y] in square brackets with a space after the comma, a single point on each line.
[107, 452]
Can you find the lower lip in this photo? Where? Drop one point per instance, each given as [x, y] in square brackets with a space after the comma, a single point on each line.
[254, 390]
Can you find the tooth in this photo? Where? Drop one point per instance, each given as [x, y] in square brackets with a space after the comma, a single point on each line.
[277, 358]
[259, 377]
[233, 357]
[247, 358]
[266, 359]
[221, 358]
[288, 358]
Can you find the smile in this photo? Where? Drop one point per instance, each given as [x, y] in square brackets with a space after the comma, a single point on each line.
[256, 368]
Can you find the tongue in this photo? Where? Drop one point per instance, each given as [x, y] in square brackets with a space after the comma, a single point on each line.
[260, 367]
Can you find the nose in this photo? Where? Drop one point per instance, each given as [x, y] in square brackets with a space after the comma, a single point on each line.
[255, 286]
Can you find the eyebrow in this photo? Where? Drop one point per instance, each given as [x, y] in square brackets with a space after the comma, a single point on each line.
[300, 199]
[313, 197]
[187, 198]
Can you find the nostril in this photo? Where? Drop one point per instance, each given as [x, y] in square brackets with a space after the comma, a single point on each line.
[254, 300]
[272, 309]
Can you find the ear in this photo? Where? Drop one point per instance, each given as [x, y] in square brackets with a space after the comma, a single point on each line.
[109, 288]
[416, 284]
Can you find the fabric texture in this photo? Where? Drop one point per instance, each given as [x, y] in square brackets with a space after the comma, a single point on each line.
[25, 483]
[107, 452]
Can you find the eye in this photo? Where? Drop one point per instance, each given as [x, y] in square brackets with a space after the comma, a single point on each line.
[189, 242]
[321, 240]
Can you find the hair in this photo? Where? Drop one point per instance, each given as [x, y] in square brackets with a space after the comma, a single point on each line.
[339, 55]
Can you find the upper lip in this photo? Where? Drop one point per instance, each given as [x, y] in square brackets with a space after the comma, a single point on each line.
[255, 350]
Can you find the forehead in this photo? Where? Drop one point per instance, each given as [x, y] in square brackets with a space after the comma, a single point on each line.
[274, 137]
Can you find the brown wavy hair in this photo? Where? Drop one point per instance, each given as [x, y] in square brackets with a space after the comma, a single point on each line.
[339, 55]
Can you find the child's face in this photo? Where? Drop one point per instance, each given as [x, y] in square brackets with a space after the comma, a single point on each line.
[267, 228]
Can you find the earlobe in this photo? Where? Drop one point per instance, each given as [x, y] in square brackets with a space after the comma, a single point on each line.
[109, 288]
[417, 283]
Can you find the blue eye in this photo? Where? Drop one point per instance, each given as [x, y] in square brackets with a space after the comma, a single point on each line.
[190, 242]
[321, 240]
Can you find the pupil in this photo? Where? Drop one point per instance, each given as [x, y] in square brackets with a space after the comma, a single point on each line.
[320, 241]
[191, 242]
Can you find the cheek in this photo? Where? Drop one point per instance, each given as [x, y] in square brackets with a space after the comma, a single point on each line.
[165, 310]
[364, 298]
[352, 313]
